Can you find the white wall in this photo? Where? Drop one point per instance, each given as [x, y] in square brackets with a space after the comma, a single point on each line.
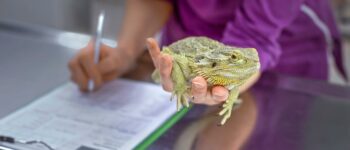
[72, 15]
[61, 14]
[114, 11]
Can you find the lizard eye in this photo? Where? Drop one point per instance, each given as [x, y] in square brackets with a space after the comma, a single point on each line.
[213, 64]
[233, 56]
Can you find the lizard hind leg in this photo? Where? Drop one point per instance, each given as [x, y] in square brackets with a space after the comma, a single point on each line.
[228, 106]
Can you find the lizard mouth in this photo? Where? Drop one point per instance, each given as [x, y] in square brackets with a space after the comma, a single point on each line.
[234, 72]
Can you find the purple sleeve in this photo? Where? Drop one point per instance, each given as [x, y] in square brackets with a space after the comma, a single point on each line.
[170, 1]
[258, 24]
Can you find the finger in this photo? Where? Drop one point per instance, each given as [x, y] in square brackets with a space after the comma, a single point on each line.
[90, 45]
[154, 51]
[77, 74]
[165, 72]
[70, 66]
[218, 94]
[110, 76]
[199, 89]
[73, 79]
[90, 68]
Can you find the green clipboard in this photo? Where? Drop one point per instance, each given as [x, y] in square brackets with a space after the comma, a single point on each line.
[162, 129]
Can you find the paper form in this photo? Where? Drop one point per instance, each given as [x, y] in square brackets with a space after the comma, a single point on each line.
[116, 117]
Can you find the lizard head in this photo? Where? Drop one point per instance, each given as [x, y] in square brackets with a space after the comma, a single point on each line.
[229, 63]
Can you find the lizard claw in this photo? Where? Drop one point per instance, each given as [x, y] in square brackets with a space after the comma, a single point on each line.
[181, 100]
[172, 96]
[178, 103]
[230, 104]
[225, 112]
[237, 104]
[185, 101]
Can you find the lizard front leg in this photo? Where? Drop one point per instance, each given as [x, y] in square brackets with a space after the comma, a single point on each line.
[228, 105]
[180, 86]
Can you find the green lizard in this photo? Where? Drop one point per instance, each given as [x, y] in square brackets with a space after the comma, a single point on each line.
[219, 64]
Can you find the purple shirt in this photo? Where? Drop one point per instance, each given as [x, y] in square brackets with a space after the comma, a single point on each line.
[290, 36]
[295, 37]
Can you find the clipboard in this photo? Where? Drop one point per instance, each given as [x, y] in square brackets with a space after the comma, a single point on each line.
[162, 129]
[142, 146]
[7, 146]
[101, 106]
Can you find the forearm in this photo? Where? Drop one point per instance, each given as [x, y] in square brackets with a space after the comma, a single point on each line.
[142, 19]
[250, 82]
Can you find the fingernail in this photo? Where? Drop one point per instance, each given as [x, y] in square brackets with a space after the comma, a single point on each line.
[148, 46]
[198, 85]
[149, 39]
[164, 63]
[163, 59]
[219, 95]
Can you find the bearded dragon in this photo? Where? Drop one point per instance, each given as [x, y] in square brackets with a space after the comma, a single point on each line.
[219, 64]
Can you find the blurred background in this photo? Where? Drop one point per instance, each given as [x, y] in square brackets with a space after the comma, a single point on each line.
[80, 16]
[69, 15]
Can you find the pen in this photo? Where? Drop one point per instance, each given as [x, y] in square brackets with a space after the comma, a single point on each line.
[98, 38]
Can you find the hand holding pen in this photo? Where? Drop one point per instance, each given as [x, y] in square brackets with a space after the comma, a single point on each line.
[98, 63]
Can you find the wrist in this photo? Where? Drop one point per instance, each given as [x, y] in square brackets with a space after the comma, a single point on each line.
[126, 57]
[126, 53]
[131, 49]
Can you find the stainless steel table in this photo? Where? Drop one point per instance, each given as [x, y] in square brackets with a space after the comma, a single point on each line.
[293, 114]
